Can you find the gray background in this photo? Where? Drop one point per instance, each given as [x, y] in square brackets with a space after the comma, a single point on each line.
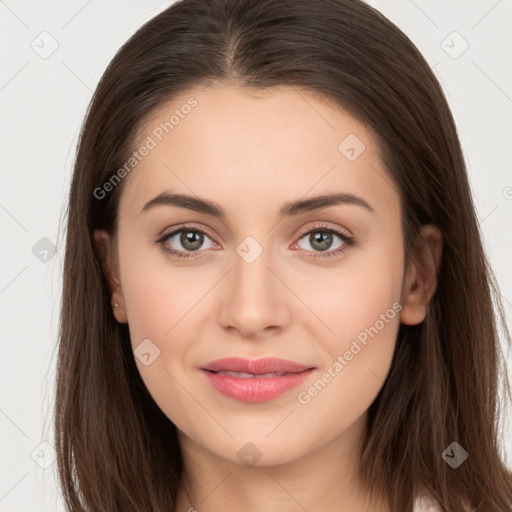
[43, 98]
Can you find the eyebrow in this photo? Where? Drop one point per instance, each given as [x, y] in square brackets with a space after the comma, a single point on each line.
[289, 209]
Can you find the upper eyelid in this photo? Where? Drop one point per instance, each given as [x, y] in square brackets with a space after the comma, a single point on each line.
[188, 227]
[325, 227]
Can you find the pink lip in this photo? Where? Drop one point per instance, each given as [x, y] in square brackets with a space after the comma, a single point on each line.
[255, 389]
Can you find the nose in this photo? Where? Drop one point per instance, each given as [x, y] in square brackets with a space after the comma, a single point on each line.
[255, 302]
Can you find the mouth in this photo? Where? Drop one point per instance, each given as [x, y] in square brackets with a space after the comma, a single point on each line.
[255, 366]
[257, 380]
[242, 375]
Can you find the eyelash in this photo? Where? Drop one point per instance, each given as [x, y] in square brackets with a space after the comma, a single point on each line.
[348, 241]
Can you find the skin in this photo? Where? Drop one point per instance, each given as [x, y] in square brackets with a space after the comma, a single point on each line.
[251, 152]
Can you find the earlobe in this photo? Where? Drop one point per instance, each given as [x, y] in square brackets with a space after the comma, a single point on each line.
[103, 243]
[420, 282]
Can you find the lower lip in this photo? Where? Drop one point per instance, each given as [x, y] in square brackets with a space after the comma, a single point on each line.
[256, 389]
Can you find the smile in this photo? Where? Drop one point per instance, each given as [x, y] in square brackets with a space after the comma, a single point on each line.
[257, 380]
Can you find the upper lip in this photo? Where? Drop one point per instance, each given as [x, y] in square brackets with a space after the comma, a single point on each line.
[255, 366]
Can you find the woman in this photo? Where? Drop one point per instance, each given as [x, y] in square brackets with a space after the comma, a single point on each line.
[275, 291]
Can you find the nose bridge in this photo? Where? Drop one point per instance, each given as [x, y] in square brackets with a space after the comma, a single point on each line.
[253, 301]
[251, 275]
[251, 269]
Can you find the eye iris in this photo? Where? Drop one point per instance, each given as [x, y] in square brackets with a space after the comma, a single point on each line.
[191, 240]
[323, 238]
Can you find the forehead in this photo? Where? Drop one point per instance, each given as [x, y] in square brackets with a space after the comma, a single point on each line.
[254, 147]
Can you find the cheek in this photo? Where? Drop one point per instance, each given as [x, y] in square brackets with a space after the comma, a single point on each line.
[360, 304]
[160, 304]
[359, 356]
[359, 351]
[165, 305]
[363, 291]
[157, 294]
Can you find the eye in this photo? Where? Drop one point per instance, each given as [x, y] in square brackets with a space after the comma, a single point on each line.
[320, 240]
[188, 240]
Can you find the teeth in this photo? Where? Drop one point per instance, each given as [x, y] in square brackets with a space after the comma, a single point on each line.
[243, 375]
[239, 375]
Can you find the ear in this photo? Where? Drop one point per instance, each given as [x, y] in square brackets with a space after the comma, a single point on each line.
[105, 249]
[420, 281]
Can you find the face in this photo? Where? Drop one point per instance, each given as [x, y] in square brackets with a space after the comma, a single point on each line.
[278, 275]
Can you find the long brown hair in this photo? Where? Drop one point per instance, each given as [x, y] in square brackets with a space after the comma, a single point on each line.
[117, 451]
